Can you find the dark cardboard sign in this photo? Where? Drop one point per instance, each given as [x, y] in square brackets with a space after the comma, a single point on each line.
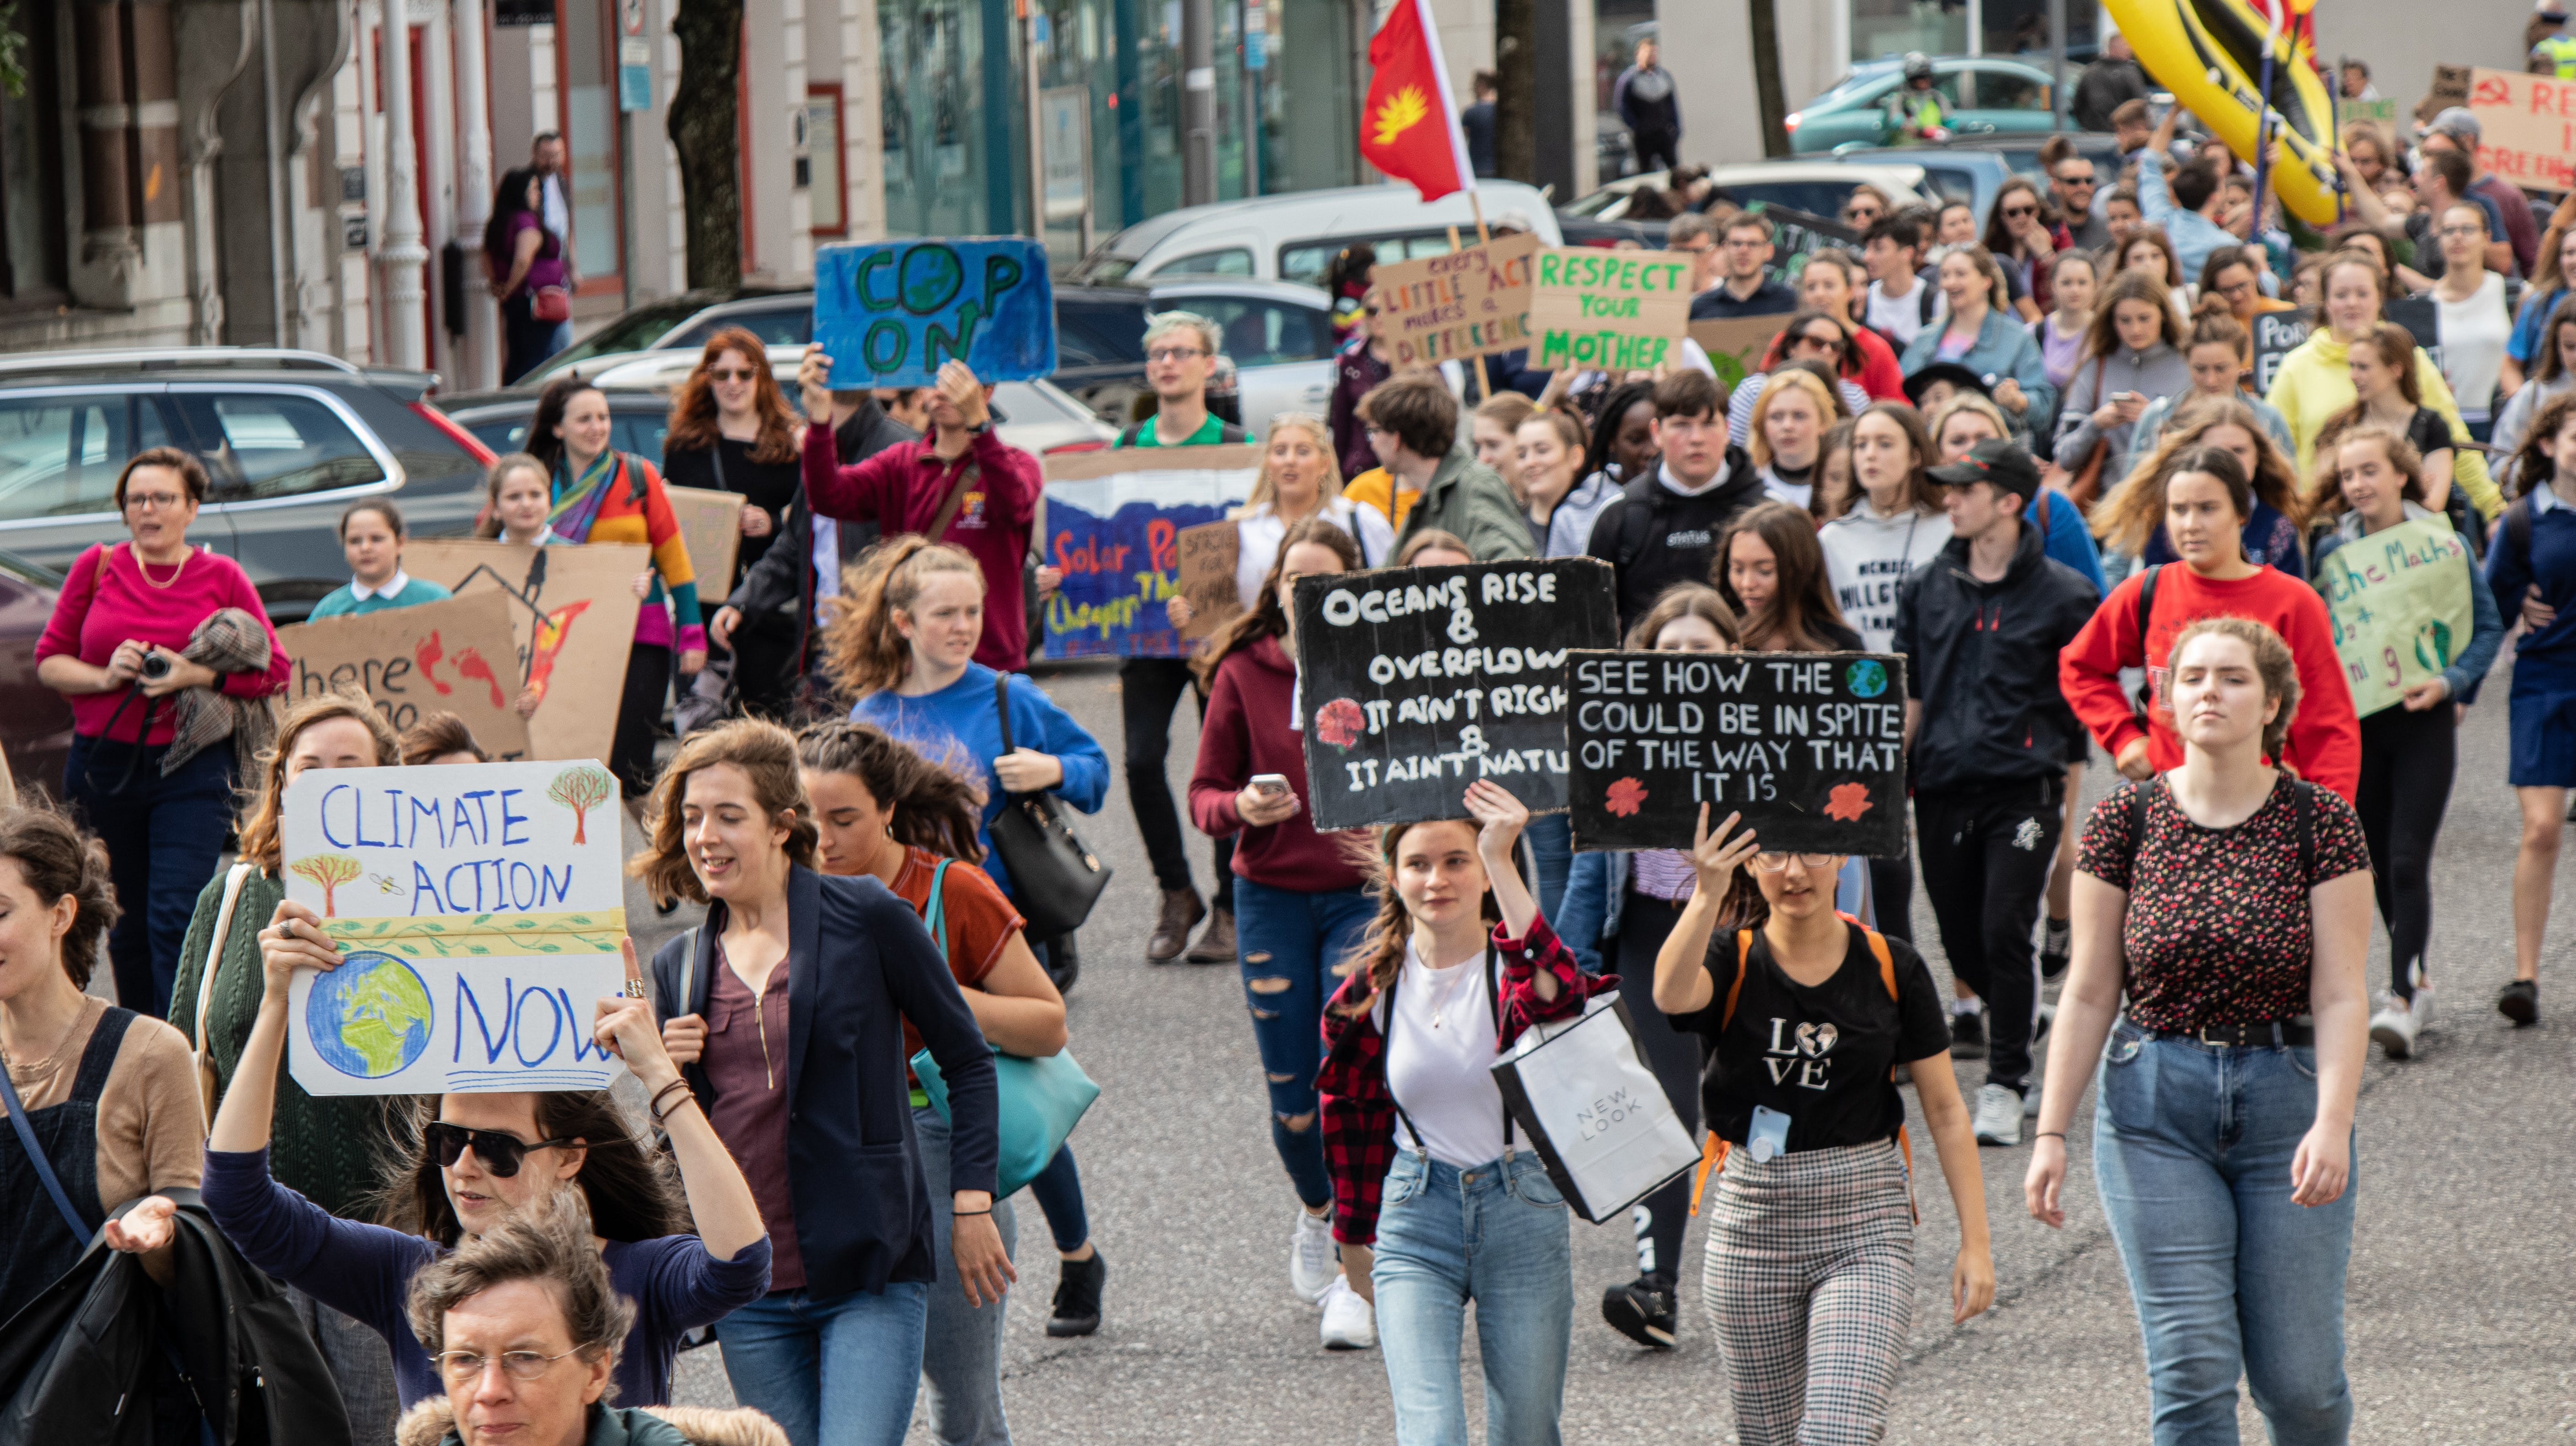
[1809, 747]
[1414, 682]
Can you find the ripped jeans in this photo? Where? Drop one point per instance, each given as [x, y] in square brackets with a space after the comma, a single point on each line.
[1288, 943]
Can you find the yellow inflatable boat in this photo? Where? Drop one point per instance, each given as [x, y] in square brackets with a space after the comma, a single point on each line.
[2209, 53]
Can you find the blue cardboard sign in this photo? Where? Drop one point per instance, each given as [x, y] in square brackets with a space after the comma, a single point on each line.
[891, 313]
[1113, 525]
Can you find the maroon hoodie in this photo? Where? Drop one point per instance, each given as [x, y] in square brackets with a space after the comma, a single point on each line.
[1246, 731]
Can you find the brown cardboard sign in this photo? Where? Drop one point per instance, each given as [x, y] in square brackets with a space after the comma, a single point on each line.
[1613, 311]
[711, 528]
[1467, 303]
[1209, 553]
[572, 617]
[2526, 126]
[455, 656]
[2450, 88]
[1744, 338]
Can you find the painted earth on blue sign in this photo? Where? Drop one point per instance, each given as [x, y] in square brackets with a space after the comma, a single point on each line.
[370, 1017]
[1119, 571]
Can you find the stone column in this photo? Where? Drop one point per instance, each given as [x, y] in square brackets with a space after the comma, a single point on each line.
[402, 255]
[480, 363]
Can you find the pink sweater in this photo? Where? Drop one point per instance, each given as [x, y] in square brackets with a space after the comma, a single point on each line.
[96, 613]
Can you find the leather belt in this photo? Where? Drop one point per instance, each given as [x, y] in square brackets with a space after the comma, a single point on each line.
[2272, 1035]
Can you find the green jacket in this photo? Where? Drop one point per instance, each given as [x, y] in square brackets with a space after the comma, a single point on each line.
[324, 1149]
[1470, 499]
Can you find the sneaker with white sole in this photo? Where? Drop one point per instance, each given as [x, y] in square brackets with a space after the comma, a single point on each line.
[2393, 1026]
[1998, 1115]
[2423, 1007]
[1350, 1323]
[1312, 1267]
[2030, 1101]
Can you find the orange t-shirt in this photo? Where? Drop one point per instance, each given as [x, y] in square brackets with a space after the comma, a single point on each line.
[978, 919]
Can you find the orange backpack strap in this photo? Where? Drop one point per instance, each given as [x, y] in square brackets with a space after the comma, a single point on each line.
[1712, 1156]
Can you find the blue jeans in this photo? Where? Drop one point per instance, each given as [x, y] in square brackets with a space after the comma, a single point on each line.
[842, 1371]
[1058, 1191]
[1551, 841]
[1495, 1235]
[2191, 1153]
[1288, 943]
[163, 837]
[961, 1344]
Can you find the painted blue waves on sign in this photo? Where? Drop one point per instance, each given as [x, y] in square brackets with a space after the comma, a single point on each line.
[891, 313]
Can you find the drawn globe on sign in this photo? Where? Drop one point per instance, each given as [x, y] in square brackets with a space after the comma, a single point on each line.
[930, 275]
[370, 1017]
[2433, 645]
[1868, 678]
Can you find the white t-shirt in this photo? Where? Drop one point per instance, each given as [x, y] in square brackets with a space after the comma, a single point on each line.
[1258, 530]
[1900, 317]
[1443, 1073]
[1796, 494]
[2473, 336]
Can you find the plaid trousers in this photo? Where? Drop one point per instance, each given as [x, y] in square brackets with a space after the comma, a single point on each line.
[1810, 1286]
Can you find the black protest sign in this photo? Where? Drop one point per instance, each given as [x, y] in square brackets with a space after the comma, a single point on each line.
[1809, 747]
[2276, 335]
[1414, 682]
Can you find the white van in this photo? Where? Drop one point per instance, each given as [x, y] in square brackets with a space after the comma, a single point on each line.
[1292, 237]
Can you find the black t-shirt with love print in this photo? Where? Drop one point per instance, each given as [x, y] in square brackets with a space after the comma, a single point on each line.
[1819, 1054]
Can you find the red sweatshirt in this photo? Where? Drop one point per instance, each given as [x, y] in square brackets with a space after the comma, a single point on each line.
[902, 489]
[1880, 376]
[1246, 732]
[2325, 737]
[101, 607]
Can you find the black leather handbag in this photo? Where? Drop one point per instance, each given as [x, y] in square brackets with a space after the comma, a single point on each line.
[1056, 877]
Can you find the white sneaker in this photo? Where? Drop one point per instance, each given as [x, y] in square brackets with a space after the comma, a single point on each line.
[2423, 1009]
[1311, 1266]
[1998, 1115]
[2394, 1026]
[1350, 1323]
[2030, 1101]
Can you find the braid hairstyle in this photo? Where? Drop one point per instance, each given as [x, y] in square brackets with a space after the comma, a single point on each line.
[926, 805]
[1380, 952]
[863, 651]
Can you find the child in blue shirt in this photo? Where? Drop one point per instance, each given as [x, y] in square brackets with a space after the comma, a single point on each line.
[371, 537]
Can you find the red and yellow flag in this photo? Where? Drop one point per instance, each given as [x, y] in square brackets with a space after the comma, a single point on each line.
[1409, 126]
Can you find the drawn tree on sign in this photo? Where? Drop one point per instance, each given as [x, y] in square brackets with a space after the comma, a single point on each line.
[581, 790]
[330, 871]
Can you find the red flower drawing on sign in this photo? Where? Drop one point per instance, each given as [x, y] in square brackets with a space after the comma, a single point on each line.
[1340, 723]
[1625, 797]
[1847, 802]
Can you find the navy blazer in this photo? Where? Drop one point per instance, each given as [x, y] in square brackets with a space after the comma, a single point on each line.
[862, 1203]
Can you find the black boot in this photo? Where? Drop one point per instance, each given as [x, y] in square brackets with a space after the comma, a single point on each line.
[1641, 1310]
[1077, 1296]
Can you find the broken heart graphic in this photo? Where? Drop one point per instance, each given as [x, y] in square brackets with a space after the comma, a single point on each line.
[1816, 1040]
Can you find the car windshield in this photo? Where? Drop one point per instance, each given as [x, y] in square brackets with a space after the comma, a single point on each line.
[1101, 268]
[633, 331]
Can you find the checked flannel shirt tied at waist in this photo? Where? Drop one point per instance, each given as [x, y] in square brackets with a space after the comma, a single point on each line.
[1358, 1108]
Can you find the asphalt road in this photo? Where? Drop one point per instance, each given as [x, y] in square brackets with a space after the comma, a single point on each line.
[2462, 1303]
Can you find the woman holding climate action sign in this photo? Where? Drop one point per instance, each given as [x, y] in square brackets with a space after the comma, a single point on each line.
[2369, 481]
[2532, 569]
[1805, 1016]
[1428, 1189]
[2207, 500]
[1300, 900]
[474, 1160]
[327, 1149]
[1618, 909]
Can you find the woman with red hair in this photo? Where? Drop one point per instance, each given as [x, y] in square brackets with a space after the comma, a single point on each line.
[731, 431]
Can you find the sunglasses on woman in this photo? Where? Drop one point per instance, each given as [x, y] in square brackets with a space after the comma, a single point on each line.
[500, 1153]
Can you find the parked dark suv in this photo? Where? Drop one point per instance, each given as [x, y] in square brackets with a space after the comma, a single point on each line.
[289, 439]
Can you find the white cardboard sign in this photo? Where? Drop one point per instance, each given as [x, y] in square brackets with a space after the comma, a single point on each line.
[479, 908]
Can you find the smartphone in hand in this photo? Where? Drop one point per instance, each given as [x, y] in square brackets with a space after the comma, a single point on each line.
[1270, 785]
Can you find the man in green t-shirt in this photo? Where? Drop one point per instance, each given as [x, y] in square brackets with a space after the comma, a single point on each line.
[1180, 355]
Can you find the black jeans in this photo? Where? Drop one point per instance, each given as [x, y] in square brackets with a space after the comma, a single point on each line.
[525, 341]
[1986, 861]
[1656, 150]
[1644, 923]
[1148, 690]
[639, 717]
[1891, 888]
[764, 656]
[2407, 763]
